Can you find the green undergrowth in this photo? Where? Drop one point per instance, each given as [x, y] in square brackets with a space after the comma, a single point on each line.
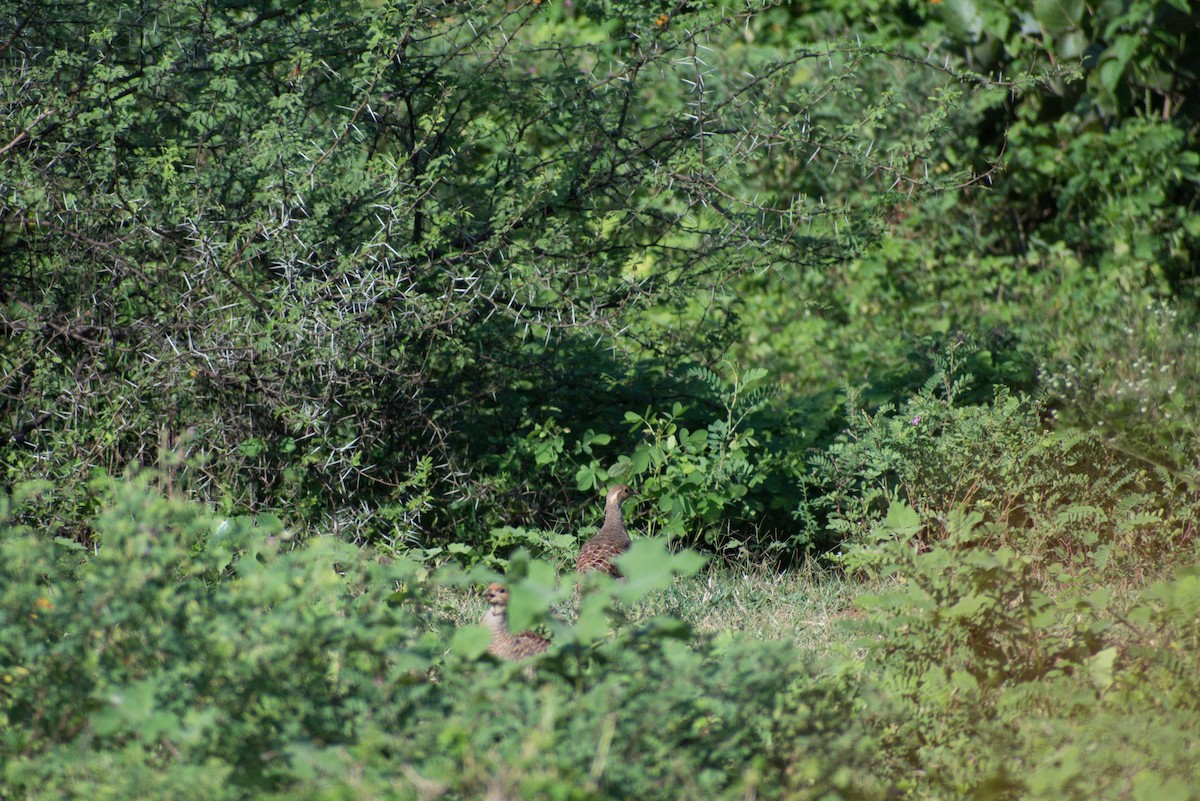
[195, 655]
[887, 309]
[1016, 678]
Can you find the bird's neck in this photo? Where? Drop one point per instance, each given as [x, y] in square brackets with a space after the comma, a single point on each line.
[612, 516]
[497, 620]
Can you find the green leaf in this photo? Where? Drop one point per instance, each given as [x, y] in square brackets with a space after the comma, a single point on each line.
[531, 598]
[961, 18]
[964, 681]
[269, 523]
[585, 477]
[69, 544]
[968, 606]
[1071, 44]
[648, 566]
[901, 520]
[470, 642]
[688, 562]
[252, 447]
[591, 438]
[592, 625]
[126, 709]
[1057, 16]
[1114, 60]
[1100, 668]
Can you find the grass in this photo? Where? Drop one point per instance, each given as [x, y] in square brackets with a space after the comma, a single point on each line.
[809, 606]
[803, 605]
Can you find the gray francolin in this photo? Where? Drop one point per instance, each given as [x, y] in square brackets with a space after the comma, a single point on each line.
[611, 540]
[505, 644]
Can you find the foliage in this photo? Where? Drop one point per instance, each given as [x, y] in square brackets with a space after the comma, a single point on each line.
[1124, 49]
[317, 248]
[896, 474]
[1135, 378]
[424, 277]
[1041, 677]
[1120, 197]
[385, 291]
[701, 475]
[199, 654]
[194, 641]
[1109, 140]
[1084, 207]
[380, 266]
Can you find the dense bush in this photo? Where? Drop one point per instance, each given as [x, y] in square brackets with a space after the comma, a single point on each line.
[350, 259]
[197, 655]
[192, 641]
[1017, 679]
[912, 285]
[896, 472]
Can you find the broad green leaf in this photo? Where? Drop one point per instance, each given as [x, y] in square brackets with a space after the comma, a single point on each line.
[1057, 16]
[1071, 44]
[688, 562]
[648, 566]
[961, 17]
[585, 477]
[126, 709]
[968, 606]
[901, 520]
[1100, 668]
[268, 523]
[470, 642]
[592, 624]
[532, 596]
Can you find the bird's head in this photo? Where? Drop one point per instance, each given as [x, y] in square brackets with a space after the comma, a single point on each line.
[496, 594]
[617, 494]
